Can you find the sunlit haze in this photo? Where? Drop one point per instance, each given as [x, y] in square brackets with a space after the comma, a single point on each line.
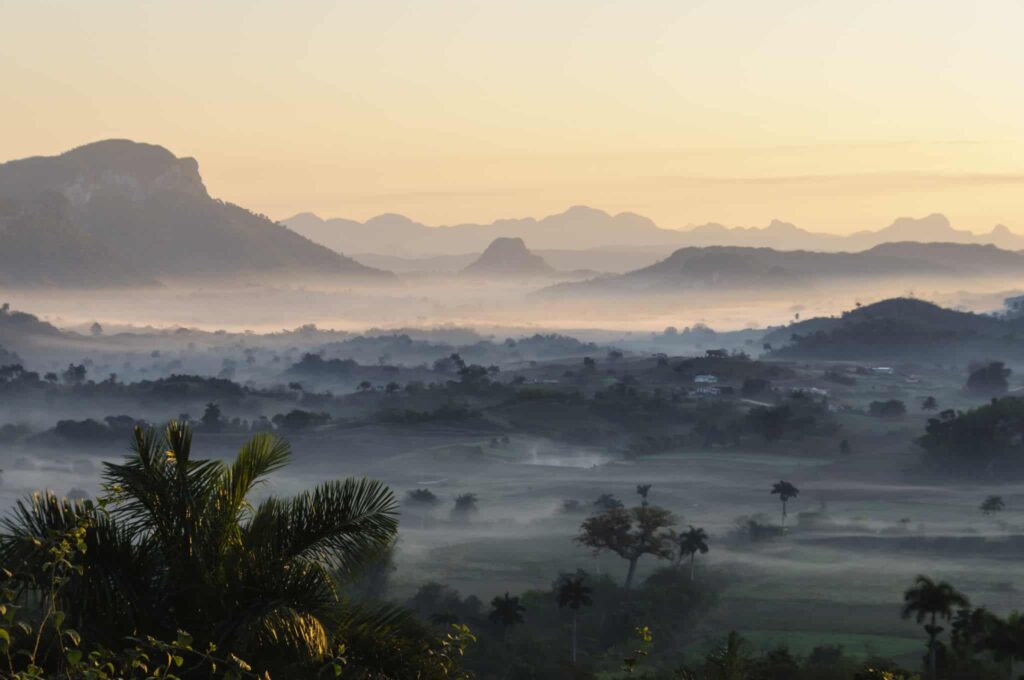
[836, 116]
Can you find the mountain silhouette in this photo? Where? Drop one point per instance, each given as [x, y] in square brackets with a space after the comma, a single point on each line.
[508, 257]
[897, 329]
[584, 228]
[577, 228]
[121, 212]
[731, 267]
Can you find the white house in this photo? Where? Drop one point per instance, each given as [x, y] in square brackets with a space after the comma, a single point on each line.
[705, 379]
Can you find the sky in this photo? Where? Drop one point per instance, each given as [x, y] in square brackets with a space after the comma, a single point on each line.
[834, 115]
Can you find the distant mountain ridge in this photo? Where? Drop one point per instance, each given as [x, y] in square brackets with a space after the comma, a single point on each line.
[117, 212]
[576, 228]
[581, 228]
[717, 268]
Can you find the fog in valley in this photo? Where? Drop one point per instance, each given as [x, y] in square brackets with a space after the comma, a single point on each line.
[512, 391]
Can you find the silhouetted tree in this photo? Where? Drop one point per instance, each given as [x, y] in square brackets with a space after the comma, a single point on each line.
[890, 408]
[211, 419]
[990, 378]
[74, 374]
[96, 329]
[630, 534]
[1005, 639]
[930, 404]
[506, 612]
[929, 601]
[422, 497]
[607, 501]
[992, 505]
[786, 492]
[465, 506]
[729, 661]
[574, 594]
[693, 541]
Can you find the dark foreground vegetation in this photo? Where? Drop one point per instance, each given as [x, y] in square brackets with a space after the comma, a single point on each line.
[176, 572]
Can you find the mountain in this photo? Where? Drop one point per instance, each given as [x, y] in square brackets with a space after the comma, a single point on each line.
[577, 228]
[117, 212]
[969, 259]
[583, 228]
[508, 257]
[20, 332]
[904, 329]
[731, 267]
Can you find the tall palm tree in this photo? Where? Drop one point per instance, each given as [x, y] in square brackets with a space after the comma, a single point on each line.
[1005, 640]
[694, 541]
[574, 594]
[506, 612]
[177, 544]
[928, 600]
[786, 492]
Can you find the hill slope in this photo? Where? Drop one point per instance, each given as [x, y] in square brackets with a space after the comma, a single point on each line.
[898, 329]
[508, 257]
[127, 212]
[730, 267]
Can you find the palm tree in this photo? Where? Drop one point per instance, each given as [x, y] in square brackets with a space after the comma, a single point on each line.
[177, 545]
[928, 600]
[506, 612]
[574, 594]
[694, 541]
[1005, 639]
[786, 492]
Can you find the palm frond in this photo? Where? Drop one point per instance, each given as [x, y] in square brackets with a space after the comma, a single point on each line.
[261, 455]
[340, 523]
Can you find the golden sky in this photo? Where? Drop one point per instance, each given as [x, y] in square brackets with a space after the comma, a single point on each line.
[837, 115]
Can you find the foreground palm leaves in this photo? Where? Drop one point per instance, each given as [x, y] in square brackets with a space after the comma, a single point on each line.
[178, 545]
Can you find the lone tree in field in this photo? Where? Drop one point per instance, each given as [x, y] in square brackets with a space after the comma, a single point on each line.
[607, 501]
[465, 506]
[929, 601]
[506, 612]
[574, 593]
[930, 404]
[989, 378]
[992, 505]
[630, 534]
[694, 541]
[422, 497]
[786, 492]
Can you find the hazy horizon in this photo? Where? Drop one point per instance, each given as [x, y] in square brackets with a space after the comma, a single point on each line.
[735, 113]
